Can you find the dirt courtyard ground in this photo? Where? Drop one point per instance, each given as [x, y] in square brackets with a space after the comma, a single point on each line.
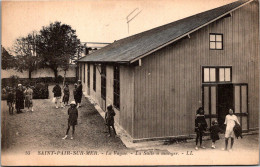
[45, 126]
[42, 130]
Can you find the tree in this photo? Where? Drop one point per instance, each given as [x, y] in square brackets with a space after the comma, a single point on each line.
[25, 50]
[8, 61]
[57, 45]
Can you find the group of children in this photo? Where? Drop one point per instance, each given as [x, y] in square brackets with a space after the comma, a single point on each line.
[73, 119]
[19, 98]
[77, 92]
[201, 126]
[73, 111]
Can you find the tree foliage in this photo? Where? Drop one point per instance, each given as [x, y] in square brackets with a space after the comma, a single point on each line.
[8, 61]
[25, 50]
[58, 43]
[53, 47]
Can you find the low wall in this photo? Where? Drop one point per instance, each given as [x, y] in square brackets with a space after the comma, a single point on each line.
[40, 73]
[45, 75]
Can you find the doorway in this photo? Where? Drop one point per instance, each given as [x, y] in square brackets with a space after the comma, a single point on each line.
[217, 99]
[225, 102]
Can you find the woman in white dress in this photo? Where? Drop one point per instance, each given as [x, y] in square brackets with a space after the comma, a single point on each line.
[230, 122]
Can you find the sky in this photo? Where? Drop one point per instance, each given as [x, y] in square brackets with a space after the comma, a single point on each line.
[96, 20]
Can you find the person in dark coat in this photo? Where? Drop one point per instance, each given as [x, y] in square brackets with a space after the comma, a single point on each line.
[73, 119]
[214, 133]
[75, 93]
[200, 126]
[57, 94]
[19, 99]
[11, 100]
[109, 118]
[79, 93]
[66, 94]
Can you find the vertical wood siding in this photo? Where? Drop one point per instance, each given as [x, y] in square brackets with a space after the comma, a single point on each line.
[126, 98]
[109, 86]
[167, 87]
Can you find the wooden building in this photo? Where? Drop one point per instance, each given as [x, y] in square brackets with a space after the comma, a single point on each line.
[157, 79]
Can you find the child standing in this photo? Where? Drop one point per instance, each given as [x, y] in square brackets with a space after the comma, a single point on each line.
[200, 126]
[214, 131]
[66, 96]
[73, 119]
[28, 98]
[230, 123]
[109, 118]
[57, 94]
[10, 101]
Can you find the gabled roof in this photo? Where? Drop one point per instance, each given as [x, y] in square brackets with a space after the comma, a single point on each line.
[134, 47]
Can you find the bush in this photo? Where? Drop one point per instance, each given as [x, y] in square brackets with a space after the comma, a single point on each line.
[59, 79]
[14, 79]
[40, 91]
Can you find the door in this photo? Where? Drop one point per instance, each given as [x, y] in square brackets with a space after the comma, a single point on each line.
[209, 102]
[217, 99]
[224, 102]
[241, 105]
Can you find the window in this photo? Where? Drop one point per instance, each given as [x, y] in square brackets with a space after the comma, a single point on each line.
[103, 81]
[224, 74]
[209, 74]
[94, 77]
[217, 74]
[88, 75]
[80, 72]
[216, 41]
[116, 87]
[84, 72]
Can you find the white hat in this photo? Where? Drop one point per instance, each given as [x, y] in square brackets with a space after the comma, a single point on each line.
[72, 102]
[19, 84]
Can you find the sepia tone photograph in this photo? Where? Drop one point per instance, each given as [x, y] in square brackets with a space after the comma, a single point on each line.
[127, 82]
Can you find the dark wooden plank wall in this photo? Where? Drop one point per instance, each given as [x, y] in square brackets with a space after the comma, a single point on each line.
[168, 84]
